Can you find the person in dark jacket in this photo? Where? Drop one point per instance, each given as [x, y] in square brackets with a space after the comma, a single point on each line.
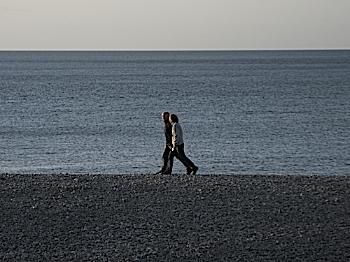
[167, 158]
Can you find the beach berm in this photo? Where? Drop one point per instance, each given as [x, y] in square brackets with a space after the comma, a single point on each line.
[67, 217]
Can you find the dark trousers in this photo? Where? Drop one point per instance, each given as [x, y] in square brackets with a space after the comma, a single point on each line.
[167, 159]
[179, 153]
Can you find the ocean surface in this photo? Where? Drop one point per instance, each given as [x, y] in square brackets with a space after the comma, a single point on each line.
[242, 112]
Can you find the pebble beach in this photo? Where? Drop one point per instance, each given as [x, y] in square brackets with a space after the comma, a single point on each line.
[70, 217]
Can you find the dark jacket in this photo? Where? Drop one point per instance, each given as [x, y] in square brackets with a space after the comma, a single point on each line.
[168, 133]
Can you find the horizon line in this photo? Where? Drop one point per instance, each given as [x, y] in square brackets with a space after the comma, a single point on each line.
[175, 50]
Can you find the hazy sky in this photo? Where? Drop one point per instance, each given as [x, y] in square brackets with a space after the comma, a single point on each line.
[174, 24]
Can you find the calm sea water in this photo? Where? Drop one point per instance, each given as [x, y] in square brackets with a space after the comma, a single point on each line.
[254, 112]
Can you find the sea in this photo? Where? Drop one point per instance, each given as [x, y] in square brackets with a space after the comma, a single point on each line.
[242, 112]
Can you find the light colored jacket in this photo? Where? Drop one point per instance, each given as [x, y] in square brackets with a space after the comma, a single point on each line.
[177, 135]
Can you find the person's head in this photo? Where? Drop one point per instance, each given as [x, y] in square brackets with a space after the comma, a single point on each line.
[165, 116]
[174, 118]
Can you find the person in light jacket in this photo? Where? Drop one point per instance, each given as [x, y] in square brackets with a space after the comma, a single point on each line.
[178, 146]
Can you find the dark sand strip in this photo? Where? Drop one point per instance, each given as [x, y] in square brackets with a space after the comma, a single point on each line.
[174, 218]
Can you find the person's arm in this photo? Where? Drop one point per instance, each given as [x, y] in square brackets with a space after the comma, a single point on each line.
[174, 136]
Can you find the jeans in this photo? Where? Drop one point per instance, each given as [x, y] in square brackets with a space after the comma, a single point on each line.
[167, 160]
[179, 153]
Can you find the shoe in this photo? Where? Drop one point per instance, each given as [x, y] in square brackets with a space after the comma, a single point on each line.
[167, 171]
[194, 171]
[189, 170]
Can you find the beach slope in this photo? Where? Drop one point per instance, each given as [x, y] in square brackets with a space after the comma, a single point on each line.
[174, 218]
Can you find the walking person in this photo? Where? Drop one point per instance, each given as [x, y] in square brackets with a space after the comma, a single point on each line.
[178, 148]
[167, 158]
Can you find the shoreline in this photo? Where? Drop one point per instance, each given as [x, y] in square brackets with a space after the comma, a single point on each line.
[133, 217]
[176, 174]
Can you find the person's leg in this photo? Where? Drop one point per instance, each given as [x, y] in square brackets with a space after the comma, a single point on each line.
[169, 168]
[169, 165]
[180, 154]
[165, 159]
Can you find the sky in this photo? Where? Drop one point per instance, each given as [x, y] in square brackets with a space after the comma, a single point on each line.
[174, 24]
